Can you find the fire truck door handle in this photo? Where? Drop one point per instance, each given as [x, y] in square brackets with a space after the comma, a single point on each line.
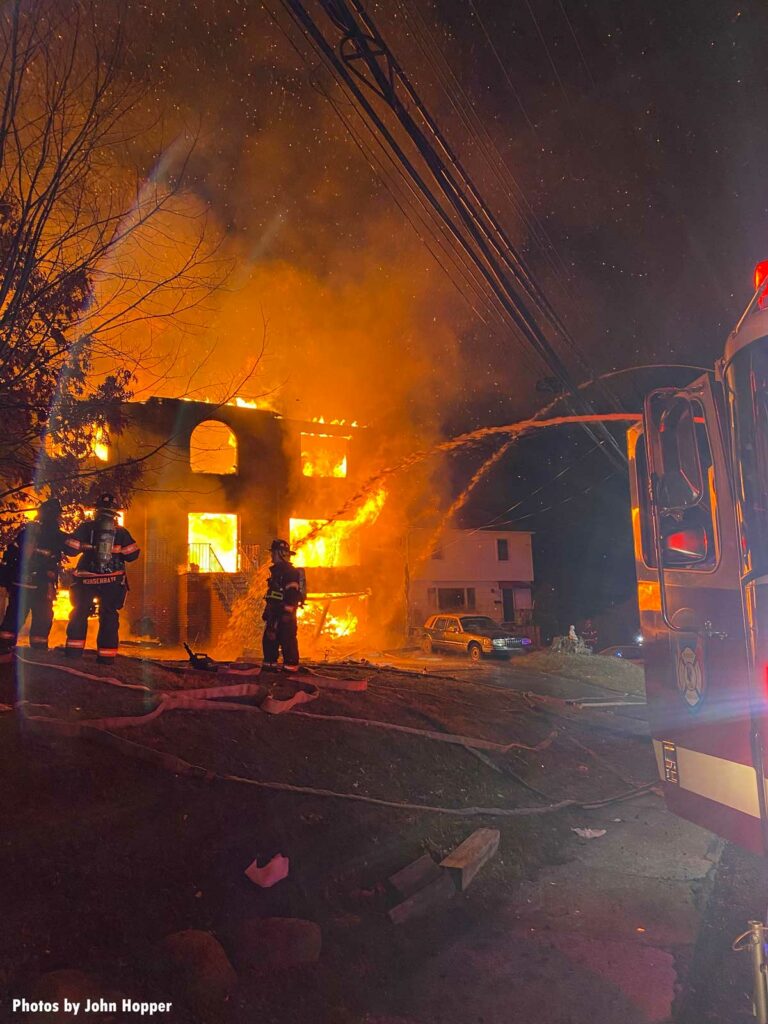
[714, 634]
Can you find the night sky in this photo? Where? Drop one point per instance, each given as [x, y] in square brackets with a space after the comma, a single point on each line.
[637, 137]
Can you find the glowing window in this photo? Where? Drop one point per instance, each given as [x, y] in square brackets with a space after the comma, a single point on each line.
[212, 540]
[324, 455]
[213, 449]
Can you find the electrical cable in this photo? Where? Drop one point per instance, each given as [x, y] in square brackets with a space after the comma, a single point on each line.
[550, 58]
[460, 101]
[559, 504]
[578, 44]
[493, 230]
[502, 66]
[444, 241]
[479, 243]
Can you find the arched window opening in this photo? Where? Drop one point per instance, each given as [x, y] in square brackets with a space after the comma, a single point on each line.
[213, 449]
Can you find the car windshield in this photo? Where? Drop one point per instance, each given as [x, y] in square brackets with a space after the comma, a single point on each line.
[470, 622]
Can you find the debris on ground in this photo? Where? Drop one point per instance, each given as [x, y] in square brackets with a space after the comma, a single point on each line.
[465, 861]
[589, 833]
[274, 871]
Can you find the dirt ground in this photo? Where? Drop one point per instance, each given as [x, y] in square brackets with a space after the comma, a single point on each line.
[103, 854]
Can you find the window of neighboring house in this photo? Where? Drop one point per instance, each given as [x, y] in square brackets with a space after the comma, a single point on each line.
[451, 599]
[502, 550]
[471, 599]
[431, 597]
[213, 449]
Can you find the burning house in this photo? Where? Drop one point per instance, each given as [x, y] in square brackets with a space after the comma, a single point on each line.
[219, 483]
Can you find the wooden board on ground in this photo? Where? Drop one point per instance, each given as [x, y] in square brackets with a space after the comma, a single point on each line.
[430, 897]
[414, 876]
[466, 860]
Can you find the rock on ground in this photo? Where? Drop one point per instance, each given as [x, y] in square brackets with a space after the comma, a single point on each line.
[196, 965]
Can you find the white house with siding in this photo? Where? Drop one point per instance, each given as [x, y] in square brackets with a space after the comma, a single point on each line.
[485, 571]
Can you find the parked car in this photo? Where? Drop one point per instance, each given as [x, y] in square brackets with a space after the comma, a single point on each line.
[627, 652]
[475, 635]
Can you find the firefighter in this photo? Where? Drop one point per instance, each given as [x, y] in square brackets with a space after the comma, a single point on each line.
[285, 593]
[104, 548]
[30, 573]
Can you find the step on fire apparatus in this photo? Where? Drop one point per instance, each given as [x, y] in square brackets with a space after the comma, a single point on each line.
[699, 487]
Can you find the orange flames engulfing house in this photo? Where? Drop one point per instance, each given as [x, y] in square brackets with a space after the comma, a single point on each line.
[324, 455]
[319, 622]
[336, 544]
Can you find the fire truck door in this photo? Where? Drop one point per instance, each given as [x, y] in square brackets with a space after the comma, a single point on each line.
[697, 675]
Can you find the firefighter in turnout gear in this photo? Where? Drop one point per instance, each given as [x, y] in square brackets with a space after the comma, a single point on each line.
[285, 593]
[104, 548]
[30, 572]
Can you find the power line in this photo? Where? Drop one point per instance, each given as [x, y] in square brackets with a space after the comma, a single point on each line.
[475, 229]
[501, 64]
[462, 104]
[503, 246]
[576, 41]
[543, 487]
[440, 241]
[502, 171]
[550, 58]
[559, 504]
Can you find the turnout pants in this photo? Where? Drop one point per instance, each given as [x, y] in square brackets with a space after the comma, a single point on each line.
[280, 633]
[111, 598]
[22, 599]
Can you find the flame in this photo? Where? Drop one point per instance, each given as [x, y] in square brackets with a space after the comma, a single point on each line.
[57, 445]
[334, 423]
[99, 445]
[332, 544]
[330, 616]
[237, 402]
[324, 455]
[212, 540]
[333, 626]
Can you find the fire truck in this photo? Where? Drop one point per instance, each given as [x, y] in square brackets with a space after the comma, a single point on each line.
[699, 488]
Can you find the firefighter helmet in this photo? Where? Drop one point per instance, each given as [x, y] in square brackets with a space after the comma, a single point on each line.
[107, 503]
[282, 547]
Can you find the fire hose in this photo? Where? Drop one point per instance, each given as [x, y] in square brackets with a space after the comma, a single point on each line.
[210, 698]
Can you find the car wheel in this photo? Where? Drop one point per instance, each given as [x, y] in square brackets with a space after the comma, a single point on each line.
[426, 645]
[475, 652]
